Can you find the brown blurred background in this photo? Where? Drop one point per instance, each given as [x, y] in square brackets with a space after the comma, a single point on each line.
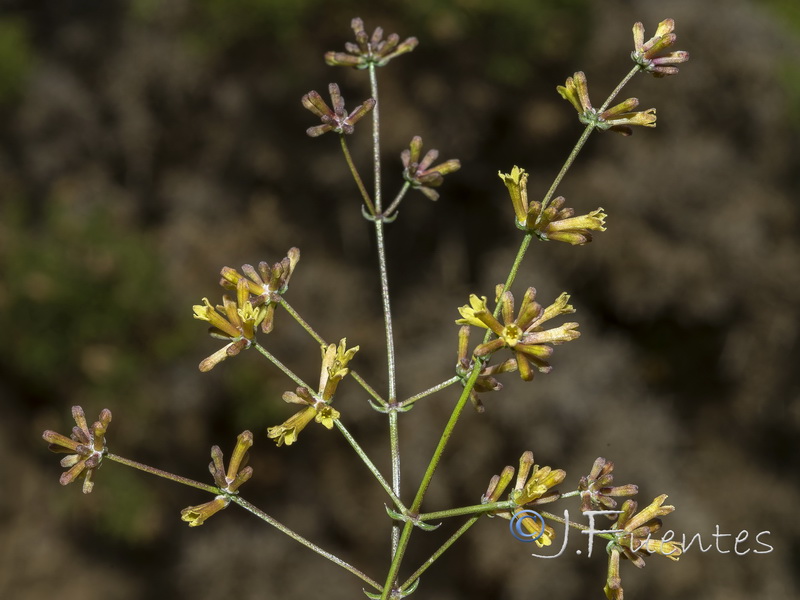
[146, 144]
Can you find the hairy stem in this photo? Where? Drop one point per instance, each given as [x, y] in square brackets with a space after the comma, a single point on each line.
[442, 549]
[372, 468]
[394, 438]
[299, 538]
[165, 474]
[318, 338]
[429, 391]
[356, 176]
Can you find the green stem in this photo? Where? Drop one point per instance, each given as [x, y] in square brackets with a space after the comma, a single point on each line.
[166, 475]
[318, 338]
[299, 538]
[437, 455]
[356, 176]
[426, 480]
[371, 466]
[476, 509]
[444, 547]
[429, 391]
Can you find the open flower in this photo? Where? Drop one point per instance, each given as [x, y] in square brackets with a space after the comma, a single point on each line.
[85, 447]
[336, 118]
[316, 407]
[234, 321]
[533, 486]
[267, 284]
[649, 55]
[524, 335]
[228, 480]
[597, 490]
[554, 223]
[420, 174]
[618, 118]
[369, 50]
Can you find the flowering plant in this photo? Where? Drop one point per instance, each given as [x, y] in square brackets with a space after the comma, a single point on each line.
[516, 337]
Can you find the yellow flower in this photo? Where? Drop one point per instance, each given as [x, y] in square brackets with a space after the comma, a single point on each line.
[537, 487]
[233, 321]
[523, 335]
[287, 432]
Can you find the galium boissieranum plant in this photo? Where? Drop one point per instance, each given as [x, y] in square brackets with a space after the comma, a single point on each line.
[519, 335]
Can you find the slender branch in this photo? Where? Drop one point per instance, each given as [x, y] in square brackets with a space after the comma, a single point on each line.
[476, 509]
[356, 176]
[585, 136]
[370, 465]
[299, 538]
[619, 87]
[394, 437]
[429, 391]
[166, 475]
[318, 338]
[398, 199]
[442, 549]
[289, 373]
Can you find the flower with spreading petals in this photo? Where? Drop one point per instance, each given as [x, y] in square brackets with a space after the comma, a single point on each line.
[649, 55]
[369, 49]
[420, 174]
[524, 335]
[227, 480]
[618, 118]
[597, 490]
[316, 407]
[555, 223]
[85, 447]
[336, 118]
[234, 321]
[267, 284]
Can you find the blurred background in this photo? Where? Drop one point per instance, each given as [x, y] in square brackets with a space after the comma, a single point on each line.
[144, 145]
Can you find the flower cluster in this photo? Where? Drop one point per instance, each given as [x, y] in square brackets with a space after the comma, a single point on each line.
[316, 406]
[648, 55]
[633, 541]
[486, 381]
[618, 118]
[525, 334]
[228, 481]
[85, 447]
[555, 222]
[596, 488]
[235, 321]
[533, 487]
[420, 174]
[369, 49]
[334, 119]
[266, 284]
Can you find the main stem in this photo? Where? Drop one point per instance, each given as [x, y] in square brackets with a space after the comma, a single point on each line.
[394, 443]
